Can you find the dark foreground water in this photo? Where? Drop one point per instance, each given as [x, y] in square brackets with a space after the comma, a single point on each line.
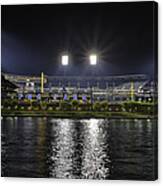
[86, 148]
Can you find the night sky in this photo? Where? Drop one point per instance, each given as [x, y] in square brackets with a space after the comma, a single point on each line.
[35, 36]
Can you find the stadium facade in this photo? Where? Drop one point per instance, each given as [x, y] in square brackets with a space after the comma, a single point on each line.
[137, 87]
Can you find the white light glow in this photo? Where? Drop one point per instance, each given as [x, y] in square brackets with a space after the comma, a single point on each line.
[65, 60]
[93, 59]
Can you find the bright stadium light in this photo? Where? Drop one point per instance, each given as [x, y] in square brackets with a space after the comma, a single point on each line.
[93, 59]
[65, 60]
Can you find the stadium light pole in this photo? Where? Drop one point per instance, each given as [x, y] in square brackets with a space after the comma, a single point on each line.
[93, 62]
[65, 63]
[42, 82]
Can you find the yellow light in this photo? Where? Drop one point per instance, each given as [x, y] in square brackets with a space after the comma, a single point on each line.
[42, 82]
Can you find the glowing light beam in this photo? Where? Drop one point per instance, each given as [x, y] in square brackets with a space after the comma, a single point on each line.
[93, 59]
[65, 60]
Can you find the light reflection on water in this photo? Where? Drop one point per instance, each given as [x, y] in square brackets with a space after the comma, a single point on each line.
[86, 148]
[62, 149]
[94, 151]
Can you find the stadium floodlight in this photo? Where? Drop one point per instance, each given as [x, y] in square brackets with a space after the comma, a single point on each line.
[93, 59]
[65, 60]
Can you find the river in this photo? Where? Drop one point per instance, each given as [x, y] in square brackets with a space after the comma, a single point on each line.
[79, 148]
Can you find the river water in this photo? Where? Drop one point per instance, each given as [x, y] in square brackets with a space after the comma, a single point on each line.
[81, 149]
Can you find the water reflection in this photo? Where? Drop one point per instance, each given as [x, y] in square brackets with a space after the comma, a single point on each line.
[41, 149]
[62, 149]
[95, 157]
[88, 149]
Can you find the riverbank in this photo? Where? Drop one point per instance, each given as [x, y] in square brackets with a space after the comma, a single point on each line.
[76, 114]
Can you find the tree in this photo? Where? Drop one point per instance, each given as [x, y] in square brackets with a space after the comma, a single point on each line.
[75, 104]
[104, 105]
[64, 105]
[97, 106]
[43, 105]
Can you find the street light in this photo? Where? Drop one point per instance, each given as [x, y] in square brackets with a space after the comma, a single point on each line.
[93, 59]
[65, 60]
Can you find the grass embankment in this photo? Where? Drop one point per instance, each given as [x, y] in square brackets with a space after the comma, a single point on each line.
[76, 114]
[78, 109]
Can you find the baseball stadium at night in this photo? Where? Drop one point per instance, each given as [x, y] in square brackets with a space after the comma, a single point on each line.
[79, 92]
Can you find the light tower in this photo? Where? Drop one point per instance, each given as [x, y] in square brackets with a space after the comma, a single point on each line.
[132, 91]
[42, 82]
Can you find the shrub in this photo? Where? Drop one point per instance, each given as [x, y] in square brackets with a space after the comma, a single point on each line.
[64, 105]
[6, 103]
[43, 105]
[36, 105]
[144, 108]
[52, 105]
[85, 106]
[104, 105]
[23, 105]
[75, 104]
[97, 106]
[115, 107]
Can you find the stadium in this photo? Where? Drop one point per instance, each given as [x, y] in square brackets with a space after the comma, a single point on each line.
[137, 87]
